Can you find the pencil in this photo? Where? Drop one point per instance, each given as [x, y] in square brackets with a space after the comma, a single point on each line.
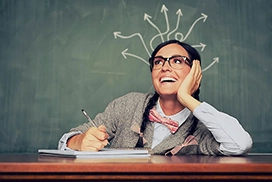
[88, 117]
[90, 120]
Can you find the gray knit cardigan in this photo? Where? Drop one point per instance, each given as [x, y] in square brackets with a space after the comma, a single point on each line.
[120, 114]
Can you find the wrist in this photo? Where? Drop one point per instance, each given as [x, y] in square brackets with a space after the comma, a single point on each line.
[72, 142]
[188, 101]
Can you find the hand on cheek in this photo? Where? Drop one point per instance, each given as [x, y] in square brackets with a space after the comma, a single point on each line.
[191, 82]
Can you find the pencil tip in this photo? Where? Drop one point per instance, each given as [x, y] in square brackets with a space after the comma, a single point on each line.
[82, 110]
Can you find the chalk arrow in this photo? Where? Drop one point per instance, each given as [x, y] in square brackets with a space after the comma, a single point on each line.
[200, 45]
[118, 34]
[179, 13]
[147, 18]
[204, 17]
[125, 54]
[215, 60]
[163, 10]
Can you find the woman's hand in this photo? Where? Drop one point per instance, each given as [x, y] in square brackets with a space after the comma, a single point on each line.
[92, 140]
[189, 85]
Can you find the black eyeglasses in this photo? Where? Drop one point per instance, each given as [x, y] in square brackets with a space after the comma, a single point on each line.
[176, 62]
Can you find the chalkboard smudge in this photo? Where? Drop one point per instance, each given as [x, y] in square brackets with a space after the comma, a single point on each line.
[108, 73]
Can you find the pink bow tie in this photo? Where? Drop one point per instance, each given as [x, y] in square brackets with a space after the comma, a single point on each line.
[156, 117]
[190, 140]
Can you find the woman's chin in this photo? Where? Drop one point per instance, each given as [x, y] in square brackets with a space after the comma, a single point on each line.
[168, 94]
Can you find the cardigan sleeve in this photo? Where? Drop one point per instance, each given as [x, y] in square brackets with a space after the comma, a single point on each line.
[119, 110]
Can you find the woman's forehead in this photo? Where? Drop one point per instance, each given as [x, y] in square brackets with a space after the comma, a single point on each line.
[172, 49]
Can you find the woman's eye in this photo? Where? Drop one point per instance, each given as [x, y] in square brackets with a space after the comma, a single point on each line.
[156, 62]
[177, 61]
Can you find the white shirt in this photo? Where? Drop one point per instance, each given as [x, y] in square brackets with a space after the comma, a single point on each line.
[161, 131]
[233, 139]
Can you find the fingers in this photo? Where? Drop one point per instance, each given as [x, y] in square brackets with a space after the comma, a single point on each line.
[99, 133]
[94, 139]
[91, 145]
[197, 69]
[197, 73]
[189, 86]
[102, 128]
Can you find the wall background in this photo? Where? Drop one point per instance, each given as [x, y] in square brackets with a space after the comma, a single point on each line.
[59, 56]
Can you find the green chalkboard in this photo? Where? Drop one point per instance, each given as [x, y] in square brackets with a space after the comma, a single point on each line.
[59, 56]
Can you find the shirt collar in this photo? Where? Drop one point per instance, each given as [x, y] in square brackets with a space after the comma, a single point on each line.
[180, 117]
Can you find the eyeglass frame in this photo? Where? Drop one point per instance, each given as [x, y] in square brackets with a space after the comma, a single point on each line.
[186, 61]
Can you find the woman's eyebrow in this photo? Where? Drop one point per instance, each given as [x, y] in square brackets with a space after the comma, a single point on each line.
[170, 56]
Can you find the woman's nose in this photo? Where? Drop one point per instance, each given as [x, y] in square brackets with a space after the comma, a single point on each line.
[166, 66]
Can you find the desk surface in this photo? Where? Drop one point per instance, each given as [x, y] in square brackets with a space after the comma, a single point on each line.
[29, 166]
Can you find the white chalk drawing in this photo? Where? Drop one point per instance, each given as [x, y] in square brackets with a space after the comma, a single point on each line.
[178, 35]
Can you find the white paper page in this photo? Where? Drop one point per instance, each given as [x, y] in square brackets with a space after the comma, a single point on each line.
[104, 153]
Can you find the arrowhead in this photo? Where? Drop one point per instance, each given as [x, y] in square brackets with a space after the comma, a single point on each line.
[116, 34]
[163, 9]
[203, 46]
[179, 12]
[204, 16]
[216, 59]
[124, 53]
[146, 16]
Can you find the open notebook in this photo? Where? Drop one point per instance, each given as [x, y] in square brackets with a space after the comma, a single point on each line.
[104, 153]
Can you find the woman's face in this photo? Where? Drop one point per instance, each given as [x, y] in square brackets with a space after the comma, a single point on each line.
[167, 80]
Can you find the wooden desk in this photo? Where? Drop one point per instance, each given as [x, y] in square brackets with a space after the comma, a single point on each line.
[188, 168]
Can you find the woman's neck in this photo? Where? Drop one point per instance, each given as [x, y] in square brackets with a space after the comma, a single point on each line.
[170, 106]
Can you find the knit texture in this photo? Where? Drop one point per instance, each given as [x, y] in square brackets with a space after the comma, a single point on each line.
[120, 114]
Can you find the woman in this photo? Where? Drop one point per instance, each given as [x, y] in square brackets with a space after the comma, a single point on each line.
[193, 127]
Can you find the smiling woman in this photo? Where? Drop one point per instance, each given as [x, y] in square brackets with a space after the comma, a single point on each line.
[172, 121]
